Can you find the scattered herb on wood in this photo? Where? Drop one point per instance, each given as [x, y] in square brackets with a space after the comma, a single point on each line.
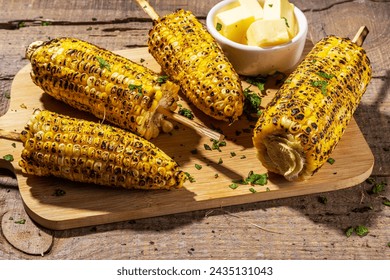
[252, 190]
[59, 192]
[20, 222]
[216, 175]
[331, 160]
[8, 157]
[186, 113]
[243, 157]
[142, 60]
[233, 154]
[207, 147]
[23, 106]
[220, 161]
[323, 199]
[349, 231]
[217, 144]
[198, 166]
[13, 145]
[233, 186]
[189, 177]
[386, 202]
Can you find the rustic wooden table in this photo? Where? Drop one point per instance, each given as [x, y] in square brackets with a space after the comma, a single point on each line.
[307, 227]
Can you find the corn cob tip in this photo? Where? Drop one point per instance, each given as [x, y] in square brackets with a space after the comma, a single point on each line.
[32, 47]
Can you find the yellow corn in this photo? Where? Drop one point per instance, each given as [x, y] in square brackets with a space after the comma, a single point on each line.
[302, 125]
[90, 152]
[100, 82]
[190, 55]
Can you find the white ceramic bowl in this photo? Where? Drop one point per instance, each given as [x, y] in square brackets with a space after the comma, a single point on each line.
[253, 60]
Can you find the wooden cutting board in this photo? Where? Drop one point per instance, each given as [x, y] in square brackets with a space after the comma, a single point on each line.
[86, 205]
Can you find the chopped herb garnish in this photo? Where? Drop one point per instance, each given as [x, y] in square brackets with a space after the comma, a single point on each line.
[387, 202]
[325, 75]
[252, 103]
[217, 144]
[59, 192]
[257, 179]
[7, 95]
[162, 79]
[258, 81]
[233, 154]
[378, 187]
[20, 222]
[8, 157]
[323, 199]
[286, 21]
[270, 5]
[13, 145]
[142, 60]
[320, 84]
[23, 106]
[361, 230]
[189, 177]
[220, 161]
[243, 157]
[103, 63]
[216, 175]
[45, 23]
[218, 26]
[233, 186]
[198, 166]
[267, 189]
[349, 231]
[21, 24]
[207, 147]
[331, 160]
[252, 190]
[186, 113]
[135, 87]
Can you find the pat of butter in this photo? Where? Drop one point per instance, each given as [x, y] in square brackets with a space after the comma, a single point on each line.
[281, 9]
[254, 7]
[268, 32]
[233, 23]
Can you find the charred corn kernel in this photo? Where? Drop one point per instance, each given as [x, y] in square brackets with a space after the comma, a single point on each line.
[100, 82]
[303, 123]
[96, 153]
[190, 55]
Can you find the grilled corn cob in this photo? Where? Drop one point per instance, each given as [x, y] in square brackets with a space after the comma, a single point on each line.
[303, 123]
[90, 152]
[189, 54]
[105, 84]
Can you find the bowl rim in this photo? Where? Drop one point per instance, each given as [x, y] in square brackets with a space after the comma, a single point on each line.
[300, 16]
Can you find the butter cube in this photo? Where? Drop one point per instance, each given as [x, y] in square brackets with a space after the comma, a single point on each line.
[268, 32]
[233, 23]
[281, 9]
[254, 7]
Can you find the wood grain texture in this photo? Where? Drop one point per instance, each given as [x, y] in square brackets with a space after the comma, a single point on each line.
[310, 229]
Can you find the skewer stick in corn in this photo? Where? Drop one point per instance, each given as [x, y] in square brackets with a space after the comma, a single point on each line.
[89, 152]
[188, 53]
[301, 126]
[105, 84]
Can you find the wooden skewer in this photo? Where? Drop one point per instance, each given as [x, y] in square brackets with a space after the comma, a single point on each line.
[148, 9]
[360, 36]
[10, 135]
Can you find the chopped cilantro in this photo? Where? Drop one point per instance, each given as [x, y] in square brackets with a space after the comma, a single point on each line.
[20, 222]
[186, 113]
[103, 63]
[233, 186]
[270, 5]
[189, 177]
[361, 230]
[387, 202]
[135, 87]
[331, 160]
[13, 145]
[252, 190]
[320, 84]
[207, 147]
[142, 60]
[323, 199]
[220, 161]
[198, 166]
[258, 81]
[349, 231]
[218, 26]
[232, 154]
[216, 175]
[162, 79]
[252, 103]
[8, 157]
[45, 23]
[325, 75]
[267, 189]
[217, 144]
[378, 187]
[243, 157]
[254, 179]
